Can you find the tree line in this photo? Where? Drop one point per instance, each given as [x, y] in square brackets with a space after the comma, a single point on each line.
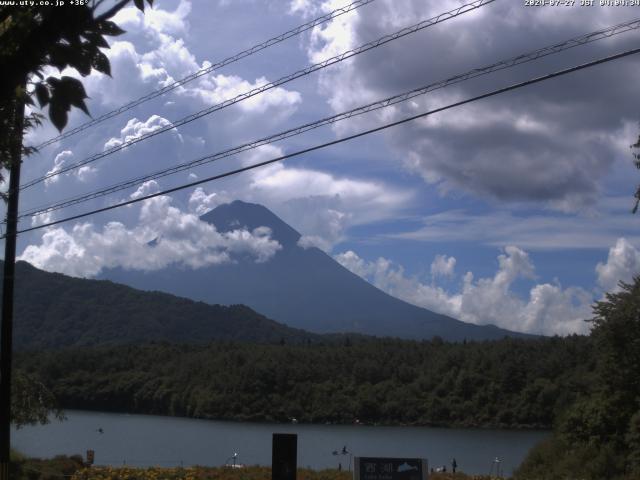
[506, 383]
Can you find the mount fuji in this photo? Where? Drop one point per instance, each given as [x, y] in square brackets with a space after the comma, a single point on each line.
[302, 287]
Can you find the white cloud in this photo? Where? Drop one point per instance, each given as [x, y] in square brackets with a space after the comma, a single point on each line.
[443, 266]
[305, 8]
[550, 309]
[321, 205]
[86, 173]
[352, 262]
[41, 219]
[167, 58]
[135, 129]
[622, 264]
[334, 37]
[147, 188]
[58, 164]
[309, 241]
[391, 278]
[172, 23]
[164, 236]
[283, 183]
[132, 76]
[171, 60]
[216, 89]
[155, 21]
[200, 202]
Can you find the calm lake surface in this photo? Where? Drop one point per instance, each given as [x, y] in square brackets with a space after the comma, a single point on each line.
[145, 440]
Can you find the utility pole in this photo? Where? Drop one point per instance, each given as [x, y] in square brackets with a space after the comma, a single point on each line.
[16, 110]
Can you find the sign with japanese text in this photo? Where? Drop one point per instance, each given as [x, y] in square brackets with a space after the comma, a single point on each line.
[378, 468]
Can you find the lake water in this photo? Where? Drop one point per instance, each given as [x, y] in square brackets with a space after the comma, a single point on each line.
[145, 440]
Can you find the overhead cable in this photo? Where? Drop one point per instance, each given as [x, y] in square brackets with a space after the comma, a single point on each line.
[268, 86]
[338, 141]
[497, 66]
[203, 71]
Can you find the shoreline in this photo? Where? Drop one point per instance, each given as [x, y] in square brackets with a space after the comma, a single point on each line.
[487, 427]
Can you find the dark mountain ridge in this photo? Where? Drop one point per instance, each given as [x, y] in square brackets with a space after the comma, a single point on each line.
[52, 310]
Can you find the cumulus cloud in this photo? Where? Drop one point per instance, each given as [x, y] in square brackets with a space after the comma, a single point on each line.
[164, 236]
[83, 174]
[58, 164]
[158, 55]
[306, 8]
[218, 88]
[156, 20]
[147, 188]
[132, 76]
[86, 173]
[200, 202]
[135, 129]
[550, 308]
[41, 219]
[172, 60]
[443, 266]
[622, 264]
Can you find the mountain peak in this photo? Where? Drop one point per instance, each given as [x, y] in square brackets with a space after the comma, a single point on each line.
[239, 214]
[304, 288]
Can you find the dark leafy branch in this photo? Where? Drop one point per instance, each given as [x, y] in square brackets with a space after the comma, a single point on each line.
[32, 402]
[32, 39]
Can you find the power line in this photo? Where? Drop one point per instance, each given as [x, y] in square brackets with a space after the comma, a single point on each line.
[223, 63]
[340, 140]
[268, 86]
[501, 65]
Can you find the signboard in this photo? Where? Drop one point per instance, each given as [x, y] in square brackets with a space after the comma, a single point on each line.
[90, 457]
[378, 468]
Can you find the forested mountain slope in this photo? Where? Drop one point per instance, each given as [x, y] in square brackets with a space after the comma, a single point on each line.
[54, 310]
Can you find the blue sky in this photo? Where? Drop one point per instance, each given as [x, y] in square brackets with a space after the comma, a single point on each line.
[513, 210]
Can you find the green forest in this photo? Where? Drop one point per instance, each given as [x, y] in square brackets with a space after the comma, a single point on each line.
[508, 383]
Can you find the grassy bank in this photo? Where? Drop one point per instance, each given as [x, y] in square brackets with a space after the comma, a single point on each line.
[57, 468]
[222, 473]
[72, 468]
